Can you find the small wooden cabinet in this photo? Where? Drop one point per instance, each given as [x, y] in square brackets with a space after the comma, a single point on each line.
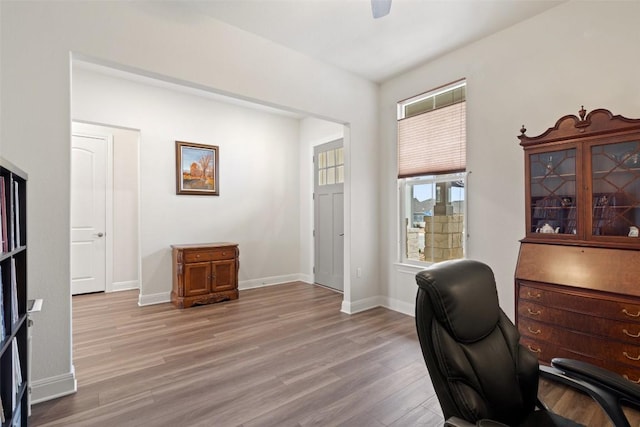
[577, 281]
[204, 273]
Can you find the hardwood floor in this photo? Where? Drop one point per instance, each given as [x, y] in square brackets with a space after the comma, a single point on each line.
[279, 356]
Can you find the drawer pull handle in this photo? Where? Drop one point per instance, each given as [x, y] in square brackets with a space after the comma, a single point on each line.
[536, 332]
[533, 313]
[535, 350]
[629, 334]
[627, 378]
[630, 357]
[530, 295]
[624, 310]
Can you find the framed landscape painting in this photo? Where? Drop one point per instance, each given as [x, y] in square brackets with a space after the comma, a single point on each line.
[197, 169]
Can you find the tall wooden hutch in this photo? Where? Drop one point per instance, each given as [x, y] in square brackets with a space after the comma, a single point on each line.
[577, 281]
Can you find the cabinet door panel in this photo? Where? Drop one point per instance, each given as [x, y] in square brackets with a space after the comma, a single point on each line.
[615, 183]
[197, 278]
[553, 192]
[224, 276]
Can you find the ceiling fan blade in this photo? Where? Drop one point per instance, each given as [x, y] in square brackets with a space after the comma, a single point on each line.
[380, 8]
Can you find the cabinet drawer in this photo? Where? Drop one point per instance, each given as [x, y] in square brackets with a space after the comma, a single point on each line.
[546, 352]
[560, 319]
[209, 255]
[616, 309]
[597, 348]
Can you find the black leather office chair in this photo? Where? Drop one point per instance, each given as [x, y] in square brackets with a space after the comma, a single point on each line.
[481, 374]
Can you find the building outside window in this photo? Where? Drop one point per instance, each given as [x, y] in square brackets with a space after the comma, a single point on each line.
[432, 175]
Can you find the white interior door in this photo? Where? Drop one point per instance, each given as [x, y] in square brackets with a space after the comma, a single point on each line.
[88, 214]
[329, 214]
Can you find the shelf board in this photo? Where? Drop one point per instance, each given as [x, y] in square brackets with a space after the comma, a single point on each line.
[12, 253]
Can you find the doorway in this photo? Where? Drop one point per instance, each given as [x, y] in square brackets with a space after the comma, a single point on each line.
[329, 214]
[88, 213]
[105, 242]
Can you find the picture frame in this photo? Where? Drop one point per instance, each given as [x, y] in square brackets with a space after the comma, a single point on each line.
[197, 168]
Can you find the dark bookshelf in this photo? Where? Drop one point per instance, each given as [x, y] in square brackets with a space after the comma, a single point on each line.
[14, 387]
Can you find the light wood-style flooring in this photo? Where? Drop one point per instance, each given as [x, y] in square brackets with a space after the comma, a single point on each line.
[278, 356]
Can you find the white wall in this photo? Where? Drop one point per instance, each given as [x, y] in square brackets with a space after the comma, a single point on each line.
[258, 205]
[579, 53]
[161, 38]
[123, 212]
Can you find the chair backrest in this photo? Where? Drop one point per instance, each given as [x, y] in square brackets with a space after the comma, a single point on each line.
[478, 369]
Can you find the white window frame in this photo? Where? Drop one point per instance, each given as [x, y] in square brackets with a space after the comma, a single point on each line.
[404, 187]
[432, 94]
[405, 184]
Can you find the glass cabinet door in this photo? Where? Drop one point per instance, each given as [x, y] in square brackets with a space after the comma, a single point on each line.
[615, 189]
[553, 192]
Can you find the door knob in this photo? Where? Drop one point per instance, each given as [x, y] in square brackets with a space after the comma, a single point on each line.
[100, 234]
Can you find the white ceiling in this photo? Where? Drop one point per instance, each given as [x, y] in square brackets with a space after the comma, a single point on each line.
[344, 33]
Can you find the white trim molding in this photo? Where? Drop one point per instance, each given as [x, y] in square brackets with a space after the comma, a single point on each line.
[53, 387]
[274, 280]
[124, 286]
[154, 299]
[242, 285]
[353, 307]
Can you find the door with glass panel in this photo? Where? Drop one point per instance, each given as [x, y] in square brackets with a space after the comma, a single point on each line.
[329, 214]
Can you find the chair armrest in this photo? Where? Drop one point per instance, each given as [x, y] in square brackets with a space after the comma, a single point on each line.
[595, 374]
[588, 378]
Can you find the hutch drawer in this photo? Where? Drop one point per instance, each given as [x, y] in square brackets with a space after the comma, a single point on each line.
[546, 318]
[621, 308]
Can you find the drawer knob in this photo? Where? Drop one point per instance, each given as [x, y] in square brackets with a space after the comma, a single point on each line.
[629, 334]
[536, 332]
[530, 295]
[197, 255]
[533, 313]
[627, 378]
[535, 350]
[630, 357]
[624, 310]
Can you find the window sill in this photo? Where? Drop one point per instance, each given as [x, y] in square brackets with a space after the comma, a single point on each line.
[410, 266]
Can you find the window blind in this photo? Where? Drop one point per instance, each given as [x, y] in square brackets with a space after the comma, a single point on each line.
[433, 143]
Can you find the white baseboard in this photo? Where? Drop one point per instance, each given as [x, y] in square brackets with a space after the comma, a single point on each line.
[354, 307]
[400, 306]
[53, 387]
[274, 280]
[378, 301]
[242, 285]
[154, 298]
[124, 286]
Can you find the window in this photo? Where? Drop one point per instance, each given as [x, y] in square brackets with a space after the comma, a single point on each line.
[432, 175]
[331, 167]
